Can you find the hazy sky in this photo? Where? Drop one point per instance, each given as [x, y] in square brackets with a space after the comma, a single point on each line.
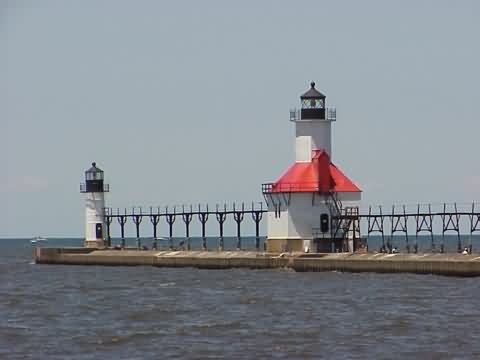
[188, 101]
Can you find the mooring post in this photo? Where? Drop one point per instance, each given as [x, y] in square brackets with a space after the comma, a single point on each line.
[238, 217]
[203, 217]
[170, 220]
[257, 217]
[187, 218]
[154, 219]
[122, 220]
[221, 217]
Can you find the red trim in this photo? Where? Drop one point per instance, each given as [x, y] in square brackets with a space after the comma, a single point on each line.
[319, 175]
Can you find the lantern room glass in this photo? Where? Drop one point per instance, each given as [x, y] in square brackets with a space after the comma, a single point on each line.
[94, 175]
[313, 104]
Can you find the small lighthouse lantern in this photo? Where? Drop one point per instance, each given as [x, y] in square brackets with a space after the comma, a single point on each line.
[94, 189]
[94, 180]
[313, 107]
[313, 104]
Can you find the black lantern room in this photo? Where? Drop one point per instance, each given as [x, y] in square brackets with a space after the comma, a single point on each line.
[94, 181]
[313, 104]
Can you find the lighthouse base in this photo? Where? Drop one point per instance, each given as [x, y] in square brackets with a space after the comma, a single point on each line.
[95, 244]
[324, 245]
[288, 245]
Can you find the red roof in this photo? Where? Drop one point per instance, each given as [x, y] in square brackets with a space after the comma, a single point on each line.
[319, 175]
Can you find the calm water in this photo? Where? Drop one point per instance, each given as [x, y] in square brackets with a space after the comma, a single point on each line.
[76, 312]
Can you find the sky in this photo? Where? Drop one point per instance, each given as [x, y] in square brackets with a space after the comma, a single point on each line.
[184, 102]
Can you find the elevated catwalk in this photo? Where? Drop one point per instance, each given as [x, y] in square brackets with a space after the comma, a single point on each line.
[410, 222]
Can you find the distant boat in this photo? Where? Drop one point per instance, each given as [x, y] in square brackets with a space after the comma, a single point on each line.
[38, 239]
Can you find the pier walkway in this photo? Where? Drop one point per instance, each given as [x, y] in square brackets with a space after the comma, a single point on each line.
[441, 264]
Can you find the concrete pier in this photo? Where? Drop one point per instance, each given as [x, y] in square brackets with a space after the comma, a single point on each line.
[441, 264]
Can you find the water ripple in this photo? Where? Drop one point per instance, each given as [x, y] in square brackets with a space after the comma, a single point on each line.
[58, 312]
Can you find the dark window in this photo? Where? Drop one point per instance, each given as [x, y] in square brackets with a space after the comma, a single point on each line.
[324, 223]
[98, 231]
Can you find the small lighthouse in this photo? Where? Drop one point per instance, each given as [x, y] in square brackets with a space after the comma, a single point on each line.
[94, 190]
[305, 200]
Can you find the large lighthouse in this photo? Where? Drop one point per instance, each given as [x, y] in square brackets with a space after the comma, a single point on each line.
[94, 190]
[305, 200]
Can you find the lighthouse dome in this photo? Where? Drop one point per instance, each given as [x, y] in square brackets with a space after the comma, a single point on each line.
[94, 173]
[313, 104]
[94, 180]
[312, 93]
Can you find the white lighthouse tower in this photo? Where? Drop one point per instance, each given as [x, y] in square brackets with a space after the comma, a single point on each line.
[94, 190]
[304, 203]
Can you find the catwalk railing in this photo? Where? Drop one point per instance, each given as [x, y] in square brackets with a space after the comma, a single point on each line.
[408, 222]
[420, 219]
[238, 212]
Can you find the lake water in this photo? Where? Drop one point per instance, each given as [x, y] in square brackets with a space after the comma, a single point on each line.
[81, 312]
[424, 242]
